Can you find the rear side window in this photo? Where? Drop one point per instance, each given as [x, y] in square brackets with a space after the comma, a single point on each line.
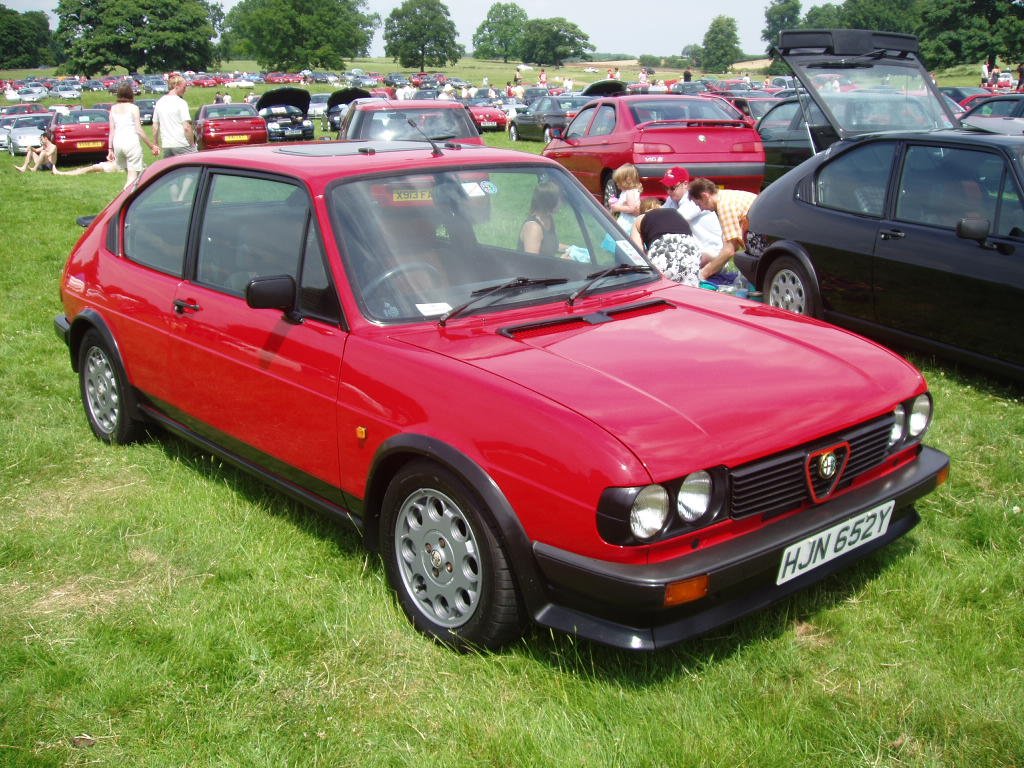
[156, 224]
[856, 180]
[940, 186]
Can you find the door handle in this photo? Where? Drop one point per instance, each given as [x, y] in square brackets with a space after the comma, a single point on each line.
[180, 305]
[892, 234]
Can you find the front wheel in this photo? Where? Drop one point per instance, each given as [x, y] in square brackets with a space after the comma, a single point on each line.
[789, 286]
[513, 132]
[104, 389]
[445, 563]
[547, 134]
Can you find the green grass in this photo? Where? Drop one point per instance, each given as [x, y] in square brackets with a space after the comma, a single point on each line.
[177, 612]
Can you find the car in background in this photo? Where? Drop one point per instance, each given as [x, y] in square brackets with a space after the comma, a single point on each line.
[203, 80]
[485, 114]
[23, 134]
[965, 95]
[396, 80]
[23, 109]
[1006, 81]
[998, 114]
[93, 85]
[154, 84]
[318, 106]
[754, 106]
[534, 92]
[543, 115]
[146, 107]
[6, 121]
[562, 438]
[228, 125]
[33, 93]
[67, 90]
[911, 236]
[81, 132]
[656, 133]
[410, 120]
[285, 112]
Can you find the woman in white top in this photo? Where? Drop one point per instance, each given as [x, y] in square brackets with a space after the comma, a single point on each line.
[126, 135]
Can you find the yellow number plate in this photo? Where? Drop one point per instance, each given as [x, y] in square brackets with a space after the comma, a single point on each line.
[90, 145]
[232, 139]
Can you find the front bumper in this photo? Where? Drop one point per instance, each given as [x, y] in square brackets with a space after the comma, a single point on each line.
[622, 605]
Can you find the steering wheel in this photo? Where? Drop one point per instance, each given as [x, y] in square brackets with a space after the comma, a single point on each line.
[410, 266]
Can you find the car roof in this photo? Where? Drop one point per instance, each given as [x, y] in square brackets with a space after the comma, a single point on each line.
[418, 104]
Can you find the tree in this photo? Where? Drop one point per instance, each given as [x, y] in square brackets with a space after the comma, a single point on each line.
[971, 31]
[693, 55]
[552, 41]
[159, 35]
[421, 33]
[25, 39]
[294, 34]
[883, 15]
[779, 15]
[500, 34]
[827, 16]
[721, 44]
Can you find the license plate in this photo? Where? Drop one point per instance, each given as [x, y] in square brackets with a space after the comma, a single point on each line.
[816, 550]
[232, 139]
[90, 145]
[488, 124]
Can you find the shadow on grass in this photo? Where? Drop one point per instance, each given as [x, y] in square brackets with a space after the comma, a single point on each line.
[571, 655]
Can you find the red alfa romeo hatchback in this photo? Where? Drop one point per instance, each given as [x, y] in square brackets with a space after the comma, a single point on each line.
[527, 428]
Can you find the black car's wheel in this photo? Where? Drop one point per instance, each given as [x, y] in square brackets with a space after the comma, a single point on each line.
[104, 388]
[444, 561]
[547, 134]
[513, 132]
[789, 286]
[610, 189]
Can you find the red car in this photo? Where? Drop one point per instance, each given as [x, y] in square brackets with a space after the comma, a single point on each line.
[409, 119]
[226, 125]
[655, 133]
[204, 81]
[486, 116]
[80, 132]
[557, 435]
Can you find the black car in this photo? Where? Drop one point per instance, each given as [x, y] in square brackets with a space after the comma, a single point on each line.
[146, 110]
[544, 114]
[285, 110]
[998, 114]
[915, 237]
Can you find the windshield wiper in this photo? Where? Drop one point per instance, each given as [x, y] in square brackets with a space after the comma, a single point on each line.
[517, 284]
[596, 277]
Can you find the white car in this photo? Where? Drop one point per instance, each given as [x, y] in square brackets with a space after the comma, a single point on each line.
[318, 105]
[590, 69]
[239, 82]
[67, 91]
[5, 126]
[33, 93]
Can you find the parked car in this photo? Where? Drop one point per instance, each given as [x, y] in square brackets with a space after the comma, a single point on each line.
[33, 93]
[913, 237]
[409, 120]
[318, 106]
[23, 109]
[226, 125]
[82, 132]
[656, 133]
[67, 90]
[146, 107]
[544, 114]
[524, 437]
[998, 114]
[24, 133]
[965, 95]
[6, 121]
[486, 116]
[284, 110]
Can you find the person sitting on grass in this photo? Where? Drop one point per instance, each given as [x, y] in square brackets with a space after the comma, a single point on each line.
[41, 158]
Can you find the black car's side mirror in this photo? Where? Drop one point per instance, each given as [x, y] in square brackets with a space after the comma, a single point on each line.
[979, 230]
[273, 292]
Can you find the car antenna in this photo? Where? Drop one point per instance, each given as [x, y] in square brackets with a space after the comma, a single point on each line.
[436, 150]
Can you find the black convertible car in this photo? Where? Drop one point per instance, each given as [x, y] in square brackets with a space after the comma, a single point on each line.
[912, 236]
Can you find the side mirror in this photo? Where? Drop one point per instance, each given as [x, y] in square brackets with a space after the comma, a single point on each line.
[272, 292]
[556, 132]
[973, 229]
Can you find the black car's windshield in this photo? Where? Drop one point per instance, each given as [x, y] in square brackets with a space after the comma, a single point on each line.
[418, 246]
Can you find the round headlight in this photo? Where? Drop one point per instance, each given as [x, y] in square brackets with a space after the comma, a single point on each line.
[694, 496]
[273, 125]
[920, 415]
[649, 512]
[898, 425]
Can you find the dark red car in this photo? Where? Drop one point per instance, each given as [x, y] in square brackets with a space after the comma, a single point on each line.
[655, 133]
[227, 125]
[80, 132]
[409, 119]
[204, 81]
[556, 435]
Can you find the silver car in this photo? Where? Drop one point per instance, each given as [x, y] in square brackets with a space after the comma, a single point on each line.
[25, 132]
[5, 126]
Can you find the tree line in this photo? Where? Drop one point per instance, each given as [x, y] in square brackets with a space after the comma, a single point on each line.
[95, 36]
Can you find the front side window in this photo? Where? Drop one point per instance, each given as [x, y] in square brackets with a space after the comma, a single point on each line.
[604, 121]
[415, 246]
[156, 225]
[578, 128]
[856, 180]
[939, 186]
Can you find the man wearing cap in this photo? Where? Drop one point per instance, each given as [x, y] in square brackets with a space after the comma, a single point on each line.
[704, 224]
[731, 206]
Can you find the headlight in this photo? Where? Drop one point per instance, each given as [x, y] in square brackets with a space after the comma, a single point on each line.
[920, 415]
[694, 496]
[898, 425]
[273, 125]
[649, 512]
[307, 123]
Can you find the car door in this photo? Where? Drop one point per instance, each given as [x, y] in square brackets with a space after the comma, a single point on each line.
[261, 381]
[589, 145]
[933, 284]
[527, 122]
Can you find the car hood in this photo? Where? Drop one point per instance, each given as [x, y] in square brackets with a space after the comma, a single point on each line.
[346, 96]
[605, 88]
[1007, 126]
[704, 377]
[289, 97]
[864, 82]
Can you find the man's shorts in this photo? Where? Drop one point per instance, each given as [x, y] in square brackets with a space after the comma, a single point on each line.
[172, 151]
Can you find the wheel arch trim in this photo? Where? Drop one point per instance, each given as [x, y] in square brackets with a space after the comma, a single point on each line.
[91, 320]
[790, 248]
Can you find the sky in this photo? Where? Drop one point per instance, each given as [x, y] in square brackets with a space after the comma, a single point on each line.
[659, 29]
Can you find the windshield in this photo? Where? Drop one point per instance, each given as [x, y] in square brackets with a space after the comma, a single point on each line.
[430, 122]
[417, 246]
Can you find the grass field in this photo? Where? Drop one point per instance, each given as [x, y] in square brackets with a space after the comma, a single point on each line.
[158, 608]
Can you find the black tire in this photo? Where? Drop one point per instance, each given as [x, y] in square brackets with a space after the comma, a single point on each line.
[104, 389]
[609, 189]
[789, 286]
[547, 134]
[445, 563]
[513, 132]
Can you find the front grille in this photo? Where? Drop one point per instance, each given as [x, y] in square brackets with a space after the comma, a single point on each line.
[779, 483]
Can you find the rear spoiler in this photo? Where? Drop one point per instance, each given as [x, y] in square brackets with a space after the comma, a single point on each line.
[692, 123]
[846, 42]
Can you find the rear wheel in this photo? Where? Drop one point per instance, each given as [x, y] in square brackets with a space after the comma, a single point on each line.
[610, 189]
[513, 132]
[547, 134]
[104, 388]
[448, 569]
[789, 286]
